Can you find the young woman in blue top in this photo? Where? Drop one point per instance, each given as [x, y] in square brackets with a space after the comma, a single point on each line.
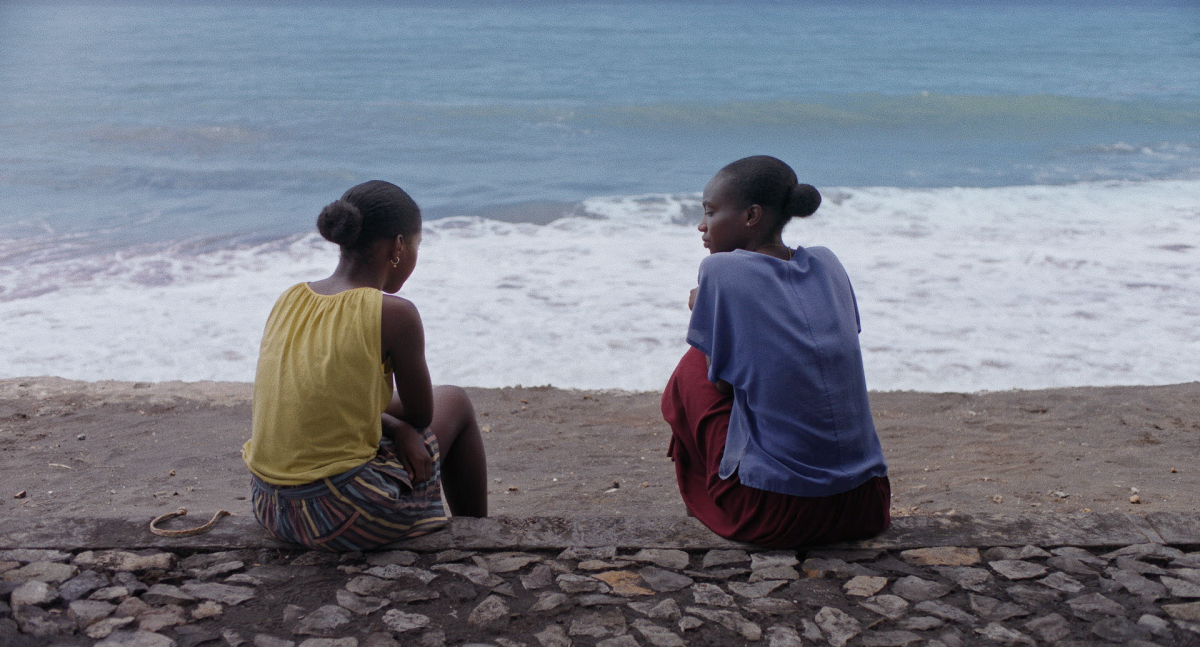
[772, 435]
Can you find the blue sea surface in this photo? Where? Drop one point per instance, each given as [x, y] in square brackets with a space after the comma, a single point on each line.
[1013, 186]
[137, 122]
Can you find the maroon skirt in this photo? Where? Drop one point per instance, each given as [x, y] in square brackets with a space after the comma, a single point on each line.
[699, 417]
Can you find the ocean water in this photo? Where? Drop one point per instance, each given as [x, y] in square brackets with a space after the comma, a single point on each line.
[1013, 188]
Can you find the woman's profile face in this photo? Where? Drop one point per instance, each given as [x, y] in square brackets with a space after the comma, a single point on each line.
[724, 227]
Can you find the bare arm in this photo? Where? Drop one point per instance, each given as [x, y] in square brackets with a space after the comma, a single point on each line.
[411, 409]
[404, 345]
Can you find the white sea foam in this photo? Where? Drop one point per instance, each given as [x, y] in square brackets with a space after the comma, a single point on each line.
[959, 289]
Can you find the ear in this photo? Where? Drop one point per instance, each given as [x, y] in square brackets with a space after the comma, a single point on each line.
[754, 215]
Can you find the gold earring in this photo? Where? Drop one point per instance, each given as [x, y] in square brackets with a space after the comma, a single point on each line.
[396, 261]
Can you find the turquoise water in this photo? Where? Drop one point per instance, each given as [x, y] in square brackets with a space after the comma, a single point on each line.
[148, 121]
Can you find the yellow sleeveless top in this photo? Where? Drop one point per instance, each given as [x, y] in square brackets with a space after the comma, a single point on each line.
[320, 386]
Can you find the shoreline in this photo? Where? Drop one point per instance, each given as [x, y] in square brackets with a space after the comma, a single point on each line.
[140, 449]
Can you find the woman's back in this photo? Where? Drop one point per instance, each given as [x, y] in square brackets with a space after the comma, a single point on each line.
[320, 356]
[784, 335]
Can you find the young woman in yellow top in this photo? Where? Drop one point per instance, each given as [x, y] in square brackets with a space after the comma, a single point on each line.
[351, 445]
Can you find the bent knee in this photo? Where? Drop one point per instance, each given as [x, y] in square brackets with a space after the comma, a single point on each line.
[450, 396]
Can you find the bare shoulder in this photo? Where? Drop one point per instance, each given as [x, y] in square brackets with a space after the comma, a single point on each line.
[399, 313]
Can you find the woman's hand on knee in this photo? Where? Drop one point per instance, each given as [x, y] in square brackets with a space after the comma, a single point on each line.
[410, 448]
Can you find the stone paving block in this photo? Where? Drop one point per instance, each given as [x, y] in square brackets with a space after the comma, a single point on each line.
[720, 557]
[505, 562]
[1126, 563]
[1176, 528]
[33, 593]
[553, 636]
[915, 589]
[619, 641]
[1138, 585]
[48, 572]
[1010, 552]
[668, 609]
[1181, 588]
[403, 622]
[599, 599]
[1015, 569]
[87, 612]
[889, 606]
[774, 573]
[1146, 551]
[1062, 582]
[1071, 565]
[731, 620]
[603, 564]
[598, 624]
[493, 611]
[625, 583]
[104, 628]
[945, 612]
[756, 589]
[657, 635]
[1188, 611]
[994, 610]
[783, 636]
[838, 627]
[921, 623]
[673, 559]
[1120, 630]
[548, 602]
[166, 594]
[1050, 628]
[324, 621]
[1095, 603]
[27, 555]
[662, 580]
[569, 583]
[223, 593]
[899, 638]
[1033, 597]
[359, 604]
[997, 632]
[136, 639]
[966, 577]
[942, 556]
[770, 607]
[711, 595]
[539, 578]
[159, 618]
[772, 559]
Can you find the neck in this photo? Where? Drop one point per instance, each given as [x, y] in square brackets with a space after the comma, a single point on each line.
[353, 273]
[774, 248]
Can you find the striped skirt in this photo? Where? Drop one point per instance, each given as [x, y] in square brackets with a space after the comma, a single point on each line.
[369, 506]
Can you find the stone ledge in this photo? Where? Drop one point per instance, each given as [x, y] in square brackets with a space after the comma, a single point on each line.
[534, 533]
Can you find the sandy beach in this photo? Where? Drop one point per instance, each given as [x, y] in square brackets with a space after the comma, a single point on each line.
[96, 449]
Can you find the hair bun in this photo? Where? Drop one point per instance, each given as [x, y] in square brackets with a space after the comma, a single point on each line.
[802, 201]
[340, 222]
